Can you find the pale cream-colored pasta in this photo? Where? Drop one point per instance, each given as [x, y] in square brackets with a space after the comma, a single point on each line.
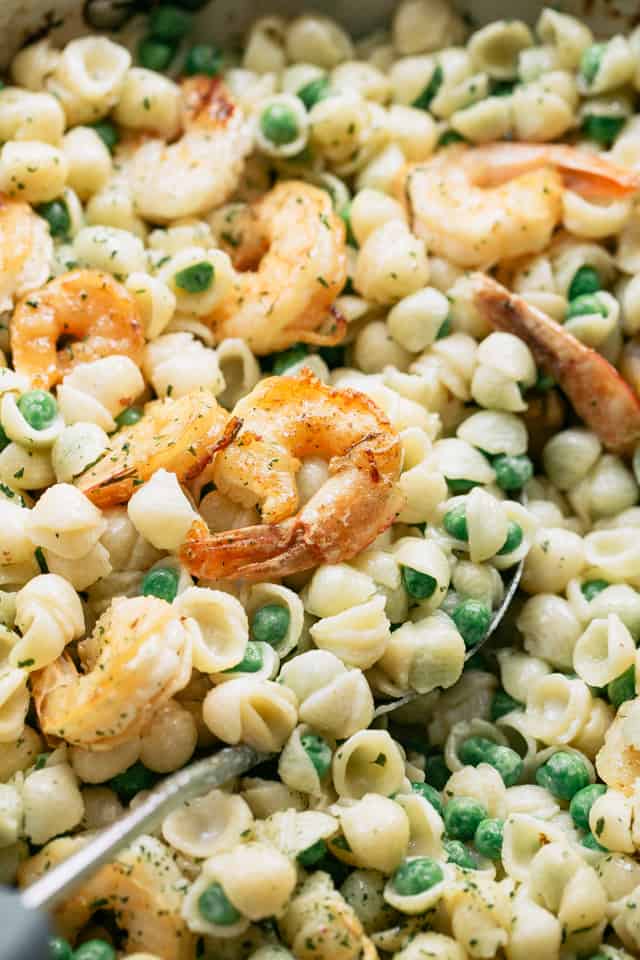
[295, 767]
[319, 923]
[220, 513]
[30, 116]
[240, 370]
[33, 64]
[332, 699]
[32, 170]
[65, 522]
[335, 587]
[264, 50]
[358, 635]
[550, 630]
[481, 915]
[128, 551]
[607, 490]
[610, 819]
[415, 321]
[14, 694]
[362, 77]
[89, 77]
[93, 766]
[101, 807]
[487, 524]
[98, 391]
[247, 89]
[88, 160]
[410, 76]
[503, 361]
[614, 553]
[625, 923]
[374, 349]
[534, 930]
[11, 814]
[292, 831]
[618, 598]
[76, 448]
[266, 797]
[532, 800]
[436, 945]
[615, 68]
[369, 761]
[426, 826]
[423, 487]
[458, 460]
[52, 801]
[381, 172]
[557, 708]
[591, 738]
[161, 512]
[156, 302]
[339, 127]
[629, 296]
[478, 581]
[82, 572]
[540, 113]
[424, 655]
[483, 782]
[169, 740]
[113, 206]
[425, 25]
[377, 831]
[555, 558]
[363, 891]
[257, 712]
[20, 753]
[371, 209]
[221, 628]
[569, 455]
[524, 837]
[17, 427]
[177, 363]
[111, 249]
[454, 96]
[391, 264]
[568, 36]
[150, 102]
[591, 219]
[496, 47]
[494, 431]
[604, 651]
[413, 130]
[274, 593]
[318, 40]
[49, 615]
[211, 824]
[429, 559]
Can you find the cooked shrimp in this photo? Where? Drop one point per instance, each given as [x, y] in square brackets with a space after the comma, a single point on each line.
[201, 169]
[284, 419]
[618, 763]
[88, 305]
[142, 888]
[293, 253]
[479, 205]
[596, 390]
[176, 435]
[26, 251]
[137, 657]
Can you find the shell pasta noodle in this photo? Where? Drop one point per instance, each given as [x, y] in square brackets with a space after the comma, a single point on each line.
[308, 348]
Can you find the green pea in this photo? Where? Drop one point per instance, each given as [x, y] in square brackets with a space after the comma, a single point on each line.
[161, 582]
[314, 91]
[502, 88]
[488, 838]
[107, 132]
[4, 439]
[311, 855]
[203, 58]
[60, 949]
[563, 775]
[455, 522]
[462, 816]
[514, 539]
[585, 304]
[318, 751]
[459, 854]
[95, 950]
[288, 358]
[458, 485]
[436, 771]
[585, 280]
[449, 137]
[502, 704]
[423, 100]
[512, 472]
[419, 586]
[582, 801]
[251, 662]
[590, 842]
[169, 23]
[590, 61]
[278, 124]
[623, 688]
[56, 213]
[417, 876]
[444, 329]
[129, 416]
[155, 54]
[270, 624]
[131, 781]
[506, 761]
[603, 130]
[38, 408]
[216, 908]
[591, 588]
[472, 618]
[428, 793]
[197, 278]
[332, 356]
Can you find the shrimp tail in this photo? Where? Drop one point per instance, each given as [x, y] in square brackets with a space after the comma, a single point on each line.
[597, 392]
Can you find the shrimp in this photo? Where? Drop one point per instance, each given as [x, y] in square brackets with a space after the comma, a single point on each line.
[599, 395]
[476, 206]
[88, 305]
[26, 251]
[137, 657]
[292, 250]
[284, 419]
[177, 435]
[201, 169]
[142, 888]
